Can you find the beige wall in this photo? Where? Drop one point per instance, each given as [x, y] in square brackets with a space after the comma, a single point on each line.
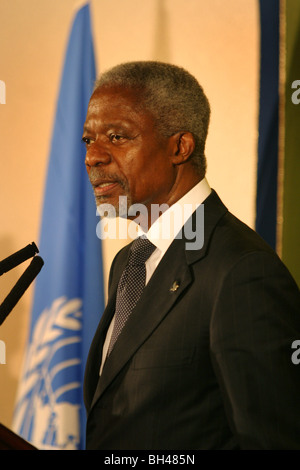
[217, 41]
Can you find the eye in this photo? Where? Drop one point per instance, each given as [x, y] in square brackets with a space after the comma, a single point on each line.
[87, 141]
[114, 138]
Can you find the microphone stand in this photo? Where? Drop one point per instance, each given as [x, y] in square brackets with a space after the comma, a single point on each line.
[24, 281]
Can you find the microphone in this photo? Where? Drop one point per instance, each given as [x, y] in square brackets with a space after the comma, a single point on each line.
[20, 287]
[17, 258]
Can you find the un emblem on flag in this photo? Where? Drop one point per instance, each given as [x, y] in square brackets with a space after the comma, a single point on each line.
[48, 405]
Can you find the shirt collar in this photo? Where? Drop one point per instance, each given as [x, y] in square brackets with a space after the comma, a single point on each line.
[163, 231]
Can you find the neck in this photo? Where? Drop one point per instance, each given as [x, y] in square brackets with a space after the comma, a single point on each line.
[153, 212]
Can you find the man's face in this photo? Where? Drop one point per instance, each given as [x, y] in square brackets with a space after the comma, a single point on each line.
[125, 155]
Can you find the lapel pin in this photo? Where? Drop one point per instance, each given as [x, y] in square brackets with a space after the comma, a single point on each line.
[174, 287]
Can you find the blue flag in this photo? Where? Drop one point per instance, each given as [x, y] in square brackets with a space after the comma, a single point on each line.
[68, 299]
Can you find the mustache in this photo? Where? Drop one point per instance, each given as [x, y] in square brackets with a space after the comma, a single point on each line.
[97, 174]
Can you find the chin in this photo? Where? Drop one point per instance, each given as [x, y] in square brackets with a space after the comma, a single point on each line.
[113, 207]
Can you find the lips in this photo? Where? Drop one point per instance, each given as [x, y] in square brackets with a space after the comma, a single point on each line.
[103, 187]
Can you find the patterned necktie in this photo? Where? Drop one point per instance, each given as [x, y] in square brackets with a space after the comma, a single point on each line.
[131, 285]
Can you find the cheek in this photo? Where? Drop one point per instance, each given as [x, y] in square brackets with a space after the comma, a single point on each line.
[147, 172]
[151, 185]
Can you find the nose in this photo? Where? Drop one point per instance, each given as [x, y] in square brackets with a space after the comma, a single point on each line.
[97, 154]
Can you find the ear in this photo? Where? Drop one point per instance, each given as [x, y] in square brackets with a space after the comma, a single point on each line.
[182, 146]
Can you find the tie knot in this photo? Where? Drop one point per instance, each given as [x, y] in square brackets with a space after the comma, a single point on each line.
[140, 251]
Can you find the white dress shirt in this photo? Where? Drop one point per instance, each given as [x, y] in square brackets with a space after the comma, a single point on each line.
[163, 231]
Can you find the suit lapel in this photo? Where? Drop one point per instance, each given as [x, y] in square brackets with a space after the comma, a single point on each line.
[169, 281]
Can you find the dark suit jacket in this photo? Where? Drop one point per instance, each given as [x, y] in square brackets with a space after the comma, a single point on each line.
[207, 366]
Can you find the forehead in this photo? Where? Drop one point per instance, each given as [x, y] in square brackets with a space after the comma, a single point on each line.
[118, 103]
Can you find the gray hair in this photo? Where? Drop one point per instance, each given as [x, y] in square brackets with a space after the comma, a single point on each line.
[172, 95]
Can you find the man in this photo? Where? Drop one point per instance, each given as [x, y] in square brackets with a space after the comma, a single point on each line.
[203, 358]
